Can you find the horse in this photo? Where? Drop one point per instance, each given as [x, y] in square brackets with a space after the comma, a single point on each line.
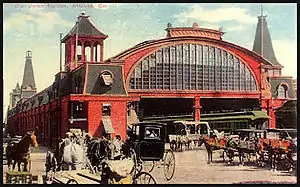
[214, 136]
[19, 151]
[284, 154]
[71, 152]
[97, 151]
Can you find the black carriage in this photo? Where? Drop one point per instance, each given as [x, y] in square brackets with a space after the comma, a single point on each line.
[147, 142]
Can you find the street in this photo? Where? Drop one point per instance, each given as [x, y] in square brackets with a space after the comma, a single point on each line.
[192, 168]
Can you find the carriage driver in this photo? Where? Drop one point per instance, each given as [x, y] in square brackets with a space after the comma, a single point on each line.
[117, 145]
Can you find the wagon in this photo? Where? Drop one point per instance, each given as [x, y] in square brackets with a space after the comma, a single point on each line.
[282, 147]
[147, 140]
[186, 132]
[248, 143]
[121, 171]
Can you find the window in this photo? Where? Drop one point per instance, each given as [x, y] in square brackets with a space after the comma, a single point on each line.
[211, 68]
[282, 91]
[107, 78]
[203, 129]
[192, 67]
[145, 73]
[200, 67]
[106, 109]
[173, 68]
[218, 69]
[224, 70]
[270, 72]
[230, 71]
[276, 72]
[205, 68]
[166, 68]
[152, 69]
[138, 77]
[159, 69]
[152, 133]
[236, 73]
[77, 110]
[192, 128]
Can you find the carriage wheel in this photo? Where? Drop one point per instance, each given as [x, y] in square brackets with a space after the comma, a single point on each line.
[72, 181]
[148, 166]
[144, 178]
[169, 164]
[90, 166]
[227, 156]
[136, 166]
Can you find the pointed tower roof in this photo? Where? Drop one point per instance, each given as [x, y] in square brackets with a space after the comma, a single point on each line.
[28, 76]
[17, 86]
[262, 42]
[86, 27]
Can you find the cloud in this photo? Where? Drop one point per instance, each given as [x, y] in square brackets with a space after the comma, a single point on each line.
[286, 54]
[236, 28]
[210, 26]
[217, 15]
[34, 22]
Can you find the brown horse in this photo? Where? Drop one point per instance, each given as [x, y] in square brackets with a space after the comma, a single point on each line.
[19, 151]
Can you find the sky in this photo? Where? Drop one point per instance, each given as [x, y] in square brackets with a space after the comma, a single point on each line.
[36, 27]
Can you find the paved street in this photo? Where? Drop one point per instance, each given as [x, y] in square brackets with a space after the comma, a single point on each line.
[191, 168]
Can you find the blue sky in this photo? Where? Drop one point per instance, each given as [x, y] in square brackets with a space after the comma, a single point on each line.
[36, 27]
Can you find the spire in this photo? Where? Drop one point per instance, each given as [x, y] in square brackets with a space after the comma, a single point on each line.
[17, 86]
[262, 41]
[28, 77]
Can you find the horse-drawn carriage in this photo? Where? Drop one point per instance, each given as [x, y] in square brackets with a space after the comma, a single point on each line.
[187, 133]
[147, 141]
[144, 147]
[244, 145]
[279, 147]
[239, 143]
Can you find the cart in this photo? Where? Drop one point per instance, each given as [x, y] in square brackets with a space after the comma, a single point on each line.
[248, 144]
[147, 142]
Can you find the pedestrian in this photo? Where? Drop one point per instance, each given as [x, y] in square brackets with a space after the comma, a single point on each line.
[117, 145]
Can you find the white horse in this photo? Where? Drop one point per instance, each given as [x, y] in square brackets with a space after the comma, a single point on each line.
[74, 156]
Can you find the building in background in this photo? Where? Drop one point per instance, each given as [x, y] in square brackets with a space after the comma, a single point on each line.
[192, 71]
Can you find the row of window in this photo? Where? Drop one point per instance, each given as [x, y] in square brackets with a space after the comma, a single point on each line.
[192, 67]
[274, 73]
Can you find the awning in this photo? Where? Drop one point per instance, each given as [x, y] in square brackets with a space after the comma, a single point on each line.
[132, 118]
[107, 79]
[108, 125]
[239, 117]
